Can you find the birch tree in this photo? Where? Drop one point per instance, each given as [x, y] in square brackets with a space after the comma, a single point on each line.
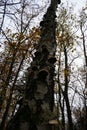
[37, 106]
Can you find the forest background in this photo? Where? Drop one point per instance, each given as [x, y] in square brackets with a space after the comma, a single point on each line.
[19, 36]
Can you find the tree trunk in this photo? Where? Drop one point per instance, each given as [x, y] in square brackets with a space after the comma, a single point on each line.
[70, 123]
[85, 93]
[61, 103]
[38, 101]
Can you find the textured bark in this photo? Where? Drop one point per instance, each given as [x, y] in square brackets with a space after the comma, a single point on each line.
[38, 101]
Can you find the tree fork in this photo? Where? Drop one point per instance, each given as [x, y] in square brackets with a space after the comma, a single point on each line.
[38, 102]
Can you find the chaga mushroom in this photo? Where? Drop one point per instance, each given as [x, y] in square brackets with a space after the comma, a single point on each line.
[52, 60]
[42, 74]
[45, 49]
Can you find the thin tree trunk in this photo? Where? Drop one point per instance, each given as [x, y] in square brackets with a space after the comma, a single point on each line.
[70, 123]
[85, 94]
[61, 103]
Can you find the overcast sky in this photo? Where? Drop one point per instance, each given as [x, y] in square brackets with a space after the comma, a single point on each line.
[78, 4]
